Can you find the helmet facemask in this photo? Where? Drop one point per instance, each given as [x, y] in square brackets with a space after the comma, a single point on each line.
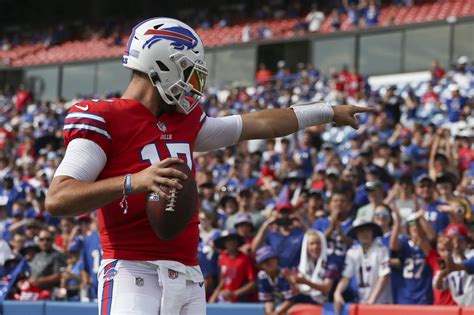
[186, 92]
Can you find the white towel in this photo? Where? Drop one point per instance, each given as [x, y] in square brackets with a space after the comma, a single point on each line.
[314, 273]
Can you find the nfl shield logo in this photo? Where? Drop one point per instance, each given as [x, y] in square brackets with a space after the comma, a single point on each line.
[139, 282]
[172, 274]
[161, 126]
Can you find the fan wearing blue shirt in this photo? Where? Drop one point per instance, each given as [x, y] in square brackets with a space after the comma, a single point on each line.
[335, 229]
[273, 288]
[425, 189]
[91, 256]
[417, 274]
[285, 239]
[455, 104]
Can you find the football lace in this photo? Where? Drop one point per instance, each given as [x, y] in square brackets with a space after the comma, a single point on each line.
[172, 201]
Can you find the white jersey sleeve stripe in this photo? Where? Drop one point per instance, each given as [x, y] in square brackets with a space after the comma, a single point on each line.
[89, 128]
[86, 115]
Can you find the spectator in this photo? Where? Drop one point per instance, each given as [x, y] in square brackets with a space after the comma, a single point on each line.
[372, 14]
[460, 283]
[284, 239]
[375, 191]
[314, 278]
[47, 265]
[403, 197]
[314, 19]
[263, 75]
[455, 104]
[335, 228]
[437, 72]
[245, 228]
[244, 200]
[71, 276]
[91, 256]
[368, 262]
[425, 190]
[238, 275]
[29, 250]
[273, 287]
[417, 275]
[335, 20]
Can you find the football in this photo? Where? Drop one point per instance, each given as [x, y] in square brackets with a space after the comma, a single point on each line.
[169, 217]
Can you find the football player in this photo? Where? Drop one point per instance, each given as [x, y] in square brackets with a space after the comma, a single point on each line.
[120, 149]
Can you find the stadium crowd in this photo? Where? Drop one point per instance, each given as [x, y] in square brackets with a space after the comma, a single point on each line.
[378, 215]
[311, 14]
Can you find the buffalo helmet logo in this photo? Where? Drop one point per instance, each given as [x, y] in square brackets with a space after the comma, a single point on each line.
[180, 37]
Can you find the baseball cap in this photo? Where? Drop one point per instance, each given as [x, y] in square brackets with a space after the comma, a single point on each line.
[284, 206]
[372, 169]
[243, 218]
[463, 60]
[29, 245]
[332, 172]
[264, 253]
[374, 184]
[423, 178]
[456, 230]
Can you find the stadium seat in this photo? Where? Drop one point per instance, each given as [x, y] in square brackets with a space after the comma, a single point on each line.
[305, 309]
[364, 309]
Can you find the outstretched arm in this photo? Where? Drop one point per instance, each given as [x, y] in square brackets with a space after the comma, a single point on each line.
[274, 123]
[222, 132]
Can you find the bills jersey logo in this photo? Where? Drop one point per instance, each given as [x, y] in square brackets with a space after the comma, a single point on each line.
[109, 275]
[172, 274]
[180, 37]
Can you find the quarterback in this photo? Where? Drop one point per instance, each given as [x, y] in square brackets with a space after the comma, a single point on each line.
[118, 150]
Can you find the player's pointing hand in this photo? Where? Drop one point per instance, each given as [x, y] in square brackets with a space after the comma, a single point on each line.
[345, 115]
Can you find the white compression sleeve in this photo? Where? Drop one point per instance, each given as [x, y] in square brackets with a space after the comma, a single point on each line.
[84, 160]
[312, 114]
[218, 133]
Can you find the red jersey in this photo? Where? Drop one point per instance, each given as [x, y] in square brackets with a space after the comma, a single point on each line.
[132, 139]
[236, 272]
[440, 297]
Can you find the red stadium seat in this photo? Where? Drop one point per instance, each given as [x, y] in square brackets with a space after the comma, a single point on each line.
[306, 309]
[364, 309]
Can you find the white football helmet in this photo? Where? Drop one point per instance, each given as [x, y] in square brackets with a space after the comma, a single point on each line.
[172, 55]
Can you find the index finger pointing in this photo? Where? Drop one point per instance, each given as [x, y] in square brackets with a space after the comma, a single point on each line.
[363, 109]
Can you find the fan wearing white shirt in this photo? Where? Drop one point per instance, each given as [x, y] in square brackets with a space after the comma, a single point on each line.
[314, 278]
[368, 262]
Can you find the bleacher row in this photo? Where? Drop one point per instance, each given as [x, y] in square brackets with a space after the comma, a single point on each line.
[38, 54]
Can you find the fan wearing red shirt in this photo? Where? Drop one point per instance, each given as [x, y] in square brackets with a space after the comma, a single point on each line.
[433, 259]
[238, 276]
[354, 83]
[430, 95]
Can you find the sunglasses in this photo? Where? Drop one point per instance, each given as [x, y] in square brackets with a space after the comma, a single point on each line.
[47, 239]
[384, 214]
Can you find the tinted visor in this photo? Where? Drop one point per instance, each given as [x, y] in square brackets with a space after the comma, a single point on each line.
[195, 76]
